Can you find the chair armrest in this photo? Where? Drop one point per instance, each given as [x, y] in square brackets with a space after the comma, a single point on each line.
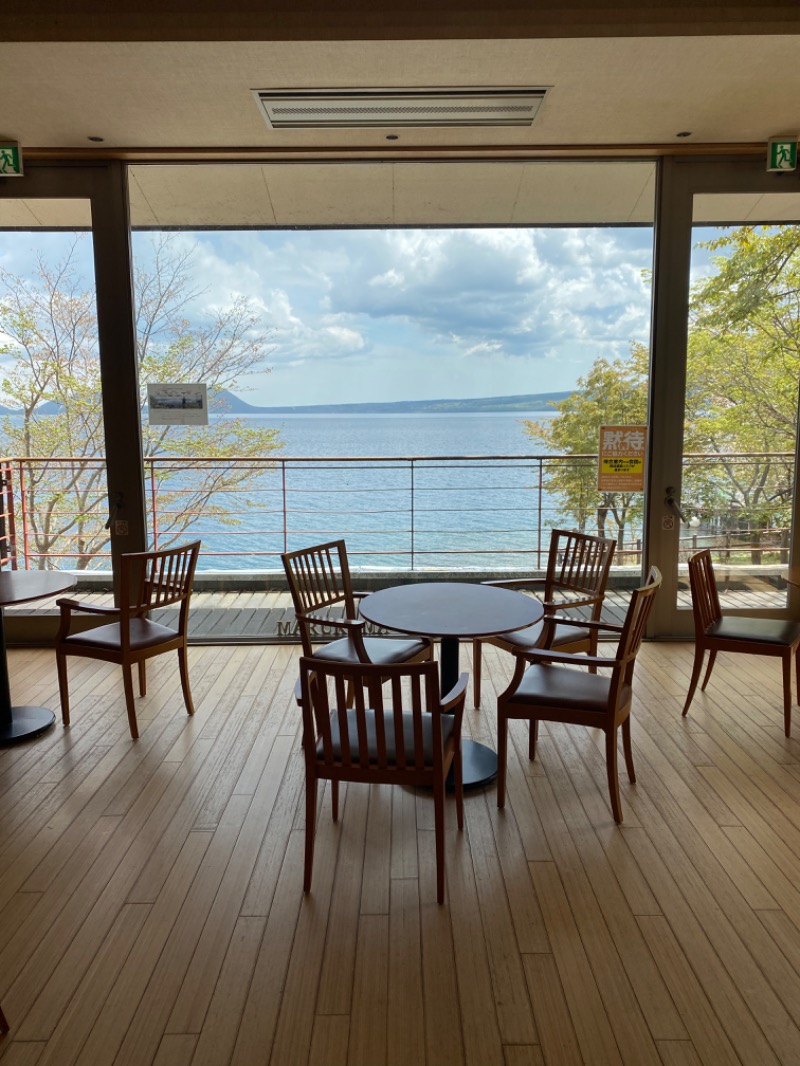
[566, 604]
[353, 629]
[68, 605]
[565, 658]
[455, 694]
[313, 618]
[584, 623]
[517, 583]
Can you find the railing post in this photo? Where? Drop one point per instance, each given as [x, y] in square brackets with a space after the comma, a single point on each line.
[23, 502]
[285, 513]
[539, 515]
[153, 499]
[412, 515]
[9, 542]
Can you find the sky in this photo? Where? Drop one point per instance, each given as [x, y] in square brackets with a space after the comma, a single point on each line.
[377, 315]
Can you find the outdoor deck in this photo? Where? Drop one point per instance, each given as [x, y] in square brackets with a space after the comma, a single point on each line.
[267, 616]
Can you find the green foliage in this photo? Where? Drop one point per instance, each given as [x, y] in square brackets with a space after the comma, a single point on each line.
[48, 328]
[611, 394]
[743, 369]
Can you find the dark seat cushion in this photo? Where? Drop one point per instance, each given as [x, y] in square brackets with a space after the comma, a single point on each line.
[529, 638]
[780, 631]
[379, 650]
[391, 750]
[576, 690]
[144, 634]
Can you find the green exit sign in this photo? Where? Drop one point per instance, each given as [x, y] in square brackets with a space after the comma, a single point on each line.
[10, 160]
[782, 153]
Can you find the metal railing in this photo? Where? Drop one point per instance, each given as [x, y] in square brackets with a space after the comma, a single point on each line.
[410, 513]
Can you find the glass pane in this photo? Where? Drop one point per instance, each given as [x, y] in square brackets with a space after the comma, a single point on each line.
[741, 406]
[54, 506]
[429, 386]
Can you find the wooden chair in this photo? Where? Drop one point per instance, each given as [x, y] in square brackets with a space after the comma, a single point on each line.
[577, 572]
[755, 636]
[148, 580]
[4, 1026]
[319, 579]
[550, 691]
[398, 731]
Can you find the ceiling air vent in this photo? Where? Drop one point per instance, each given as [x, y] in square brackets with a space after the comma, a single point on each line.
[339, 109]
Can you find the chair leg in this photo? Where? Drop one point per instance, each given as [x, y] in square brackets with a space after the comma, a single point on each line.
[613, 777]
[786, 662]
[628, 749]
[593, 650]
[533, 737]
[502, 756]
[4, 1026]
[183, 666]
[63, 687]
[697, 666]
[476, 673]
[438, 818]
[130, 706]
[712, 658]
[142, 677]
[335, 800]
[458, 787]
[311, 817]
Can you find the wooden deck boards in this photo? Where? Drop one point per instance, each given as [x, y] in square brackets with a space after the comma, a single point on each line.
[151, 904]
[268, 616]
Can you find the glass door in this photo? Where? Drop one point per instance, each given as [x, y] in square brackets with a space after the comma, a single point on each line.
[725, 432]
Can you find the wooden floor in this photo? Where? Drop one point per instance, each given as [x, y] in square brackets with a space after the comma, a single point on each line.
[151, 905]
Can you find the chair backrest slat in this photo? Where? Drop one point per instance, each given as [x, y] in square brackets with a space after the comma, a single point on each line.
[579, 564]
[705, 598]
[151, 580]
[319, 577]
[633, 631]
[369, 734]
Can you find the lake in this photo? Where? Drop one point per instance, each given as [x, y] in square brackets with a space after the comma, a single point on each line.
[486, 514]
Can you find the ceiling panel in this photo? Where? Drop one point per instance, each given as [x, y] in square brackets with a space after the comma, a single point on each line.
[746, 207]
[404, 194]
[45, 214]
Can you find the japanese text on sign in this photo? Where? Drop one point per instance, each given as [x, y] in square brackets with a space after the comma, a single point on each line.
[621, 466]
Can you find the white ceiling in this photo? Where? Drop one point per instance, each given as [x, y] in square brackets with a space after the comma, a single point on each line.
[610, 91]
[159, 99]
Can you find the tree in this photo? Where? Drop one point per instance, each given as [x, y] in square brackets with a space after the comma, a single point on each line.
[48, 329]
[741, 397]
[612, 393]
[743, 362]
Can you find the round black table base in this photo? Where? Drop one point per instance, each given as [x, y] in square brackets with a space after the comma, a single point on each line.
[479, 765]
[26, 722]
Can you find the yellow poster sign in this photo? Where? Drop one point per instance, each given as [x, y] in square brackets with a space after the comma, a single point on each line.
[621, 467]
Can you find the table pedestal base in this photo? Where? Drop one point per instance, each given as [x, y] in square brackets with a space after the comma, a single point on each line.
[479, 765]
[25, 722]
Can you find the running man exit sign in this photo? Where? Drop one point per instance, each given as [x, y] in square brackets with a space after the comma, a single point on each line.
[782, 153]
[10, 159]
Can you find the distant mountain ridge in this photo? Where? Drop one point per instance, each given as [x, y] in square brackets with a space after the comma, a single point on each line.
[230, 403]
[540, 401]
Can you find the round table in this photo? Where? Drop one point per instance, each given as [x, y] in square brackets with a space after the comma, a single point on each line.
[452, 610]
[21, 586]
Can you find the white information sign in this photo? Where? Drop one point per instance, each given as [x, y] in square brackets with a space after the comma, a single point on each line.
[177, 405]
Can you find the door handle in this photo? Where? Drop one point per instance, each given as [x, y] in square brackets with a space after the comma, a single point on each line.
[672, 503]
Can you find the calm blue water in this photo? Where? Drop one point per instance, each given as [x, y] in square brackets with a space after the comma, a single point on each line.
[479, 515]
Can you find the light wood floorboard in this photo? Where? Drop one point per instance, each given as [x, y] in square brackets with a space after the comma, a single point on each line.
[152, 912]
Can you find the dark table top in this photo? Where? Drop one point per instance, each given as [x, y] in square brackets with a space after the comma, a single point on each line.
[451, 609]
[19, 586]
